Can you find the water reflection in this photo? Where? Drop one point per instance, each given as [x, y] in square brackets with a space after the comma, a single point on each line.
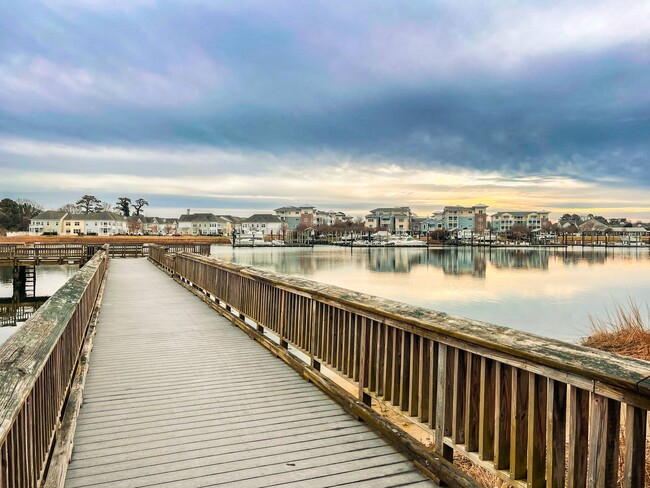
[18, 302]
[546, 291]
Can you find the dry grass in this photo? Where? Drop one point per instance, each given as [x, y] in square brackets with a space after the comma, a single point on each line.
[113, 239]
[625, 331]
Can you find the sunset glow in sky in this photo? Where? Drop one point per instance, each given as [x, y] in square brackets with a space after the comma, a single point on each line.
[245, 106]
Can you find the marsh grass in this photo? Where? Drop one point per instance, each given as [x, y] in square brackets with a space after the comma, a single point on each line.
[625, 331]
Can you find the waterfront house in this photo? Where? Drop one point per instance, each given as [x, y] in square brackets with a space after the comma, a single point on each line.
[309, 216]
[533, 220]
[232, 223]
[49, 222]
[159, 225]
[267, 224]
[459, 218]
[201, 224]
[94, 223]
[396, 220]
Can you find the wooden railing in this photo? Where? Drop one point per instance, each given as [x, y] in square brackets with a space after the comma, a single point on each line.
[77, 252]
[37, 365]
[531, 411]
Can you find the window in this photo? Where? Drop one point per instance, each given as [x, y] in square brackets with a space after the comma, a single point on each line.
[67, 224]
[76, 224]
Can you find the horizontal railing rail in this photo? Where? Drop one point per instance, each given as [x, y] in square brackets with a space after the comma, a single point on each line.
[85, 251]
[37, 365]
[532, 411]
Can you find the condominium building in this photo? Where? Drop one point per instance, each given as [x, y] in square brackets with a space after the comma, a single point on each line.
[533, 220]
[201, 224]
[457, 218]
[308, 216]
[393, 219]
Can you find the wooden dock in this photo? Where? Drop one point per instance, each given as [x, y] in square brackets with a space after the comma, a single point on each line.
[199, 380]
[177, 395]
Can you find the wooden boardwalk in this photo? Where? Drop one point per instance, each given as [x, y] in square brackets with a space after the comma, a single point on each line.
[178, 396]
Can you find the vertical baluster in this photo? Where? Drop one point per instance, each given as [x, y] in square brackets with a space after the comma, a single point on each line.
[371, 379]
[357, 348]
[363, 362]
[443, 400]
[578, 437]
[414, 375]
[502, 412]
[345, 336]
[536, 430]
[603, 439]
[635, 439]
[380, 359]
[555, 434]
[459, 397]
[388, 363]
[405, 371]
[519, 424]
[434, 351]
[486, 410]
[425, 380]
[397, 366]
[472, 399]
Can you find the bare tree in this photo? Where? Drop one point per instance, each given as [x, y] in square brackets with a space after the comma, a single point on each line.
[139, 203]
[105, 207]
[70, 208]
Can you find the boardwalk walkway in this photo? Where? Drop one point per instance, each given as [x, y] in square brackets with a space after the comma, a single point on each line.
[177, 396]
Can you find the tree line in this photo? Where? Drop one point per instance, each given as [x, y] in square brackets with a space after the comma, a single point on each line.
[90, 203]
[15, 215]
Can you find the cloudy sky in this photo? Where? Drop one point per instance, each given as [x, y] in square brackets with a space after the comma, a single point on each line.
[240, 106]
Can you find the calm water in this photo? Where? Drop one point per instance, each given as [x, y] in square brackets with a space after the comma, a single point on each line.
[550, 292]
[48, 280]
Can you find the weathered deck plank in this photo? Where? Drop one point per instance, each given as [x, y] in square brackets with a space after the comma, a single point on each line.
[177, 396]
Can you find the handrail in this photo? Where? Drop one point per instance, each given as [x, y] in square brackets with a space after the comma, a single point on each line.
[83, 251]
[513, 403]
[37, 365]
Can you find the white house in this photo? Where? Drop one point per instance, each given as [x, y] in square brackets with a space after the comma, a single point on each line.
[49, 222]
[201, 224]
[266, 223]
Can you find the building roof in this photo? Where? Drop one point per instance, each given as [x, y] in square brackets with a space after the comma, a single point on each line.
[521, 213]
[95, 216]
[391, 210]
[262, 218]
[201, 217]
[50, 215]
[287, 208]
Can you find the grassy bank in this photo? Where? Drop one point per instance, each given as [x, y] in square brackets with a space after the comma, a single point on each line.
[113, 239]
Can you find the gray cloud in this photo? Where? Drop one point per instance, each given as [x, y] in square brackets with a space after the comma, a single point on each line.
[526, 89]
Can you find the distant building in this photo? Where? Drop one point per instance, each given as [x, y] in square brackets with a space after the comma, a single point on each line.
[201, 224]
[396, 220]
[232, 223]
[433, 223]
[503, 221]
[308, 216]
[94, 223]
[159, 225]
[459, 218]
[48, 222]
[267, 224]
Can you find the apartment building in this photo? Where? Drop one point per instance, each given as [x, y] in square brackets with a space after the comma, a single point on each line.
[49, 222]
[308, 216]
[458, 218]
[396, 220]
[503, 221]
